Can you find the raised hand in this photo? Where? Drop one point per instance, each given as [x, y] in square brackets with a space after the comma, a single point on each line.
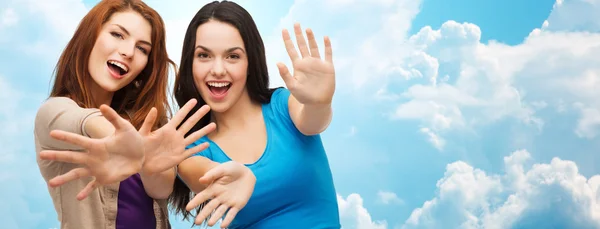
[165, 147]
[313, 79]
[229, 187]
[109, 160]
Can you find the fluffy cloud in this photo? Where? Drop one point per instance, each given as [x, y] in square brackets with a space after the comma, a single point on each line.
[353, 215]
[563, 16]
[386, 197]
[8, 17]
[536, 196]
[479, 83]
[20, 189]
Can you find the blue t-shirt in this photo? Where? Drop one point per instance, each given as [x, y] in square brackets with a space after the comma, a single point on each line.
[294, 185]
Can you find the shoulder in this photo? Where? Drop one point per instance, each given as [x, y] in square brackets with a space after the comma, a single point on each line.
[60, 113]
[54, 103]
[279, 101]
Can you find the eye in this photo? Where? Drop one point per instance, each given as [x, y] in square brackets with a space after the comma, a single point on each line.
[234, 56]
[142, 49]
[202, 55]
[117, 35]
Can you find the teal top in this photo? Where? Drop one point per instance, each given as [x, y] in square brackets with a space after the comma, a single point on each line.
[294, 185]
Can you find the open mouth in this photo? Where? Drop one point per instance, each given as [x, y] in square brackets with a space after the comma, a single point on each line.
[218, 88]
[117, 67]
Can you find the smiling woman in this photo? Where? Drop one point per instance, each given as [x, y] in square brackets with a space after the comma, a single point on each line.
[107, 162]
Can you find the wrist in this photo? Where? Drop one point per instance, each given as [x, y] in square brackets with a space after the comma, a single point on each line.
[318, 105]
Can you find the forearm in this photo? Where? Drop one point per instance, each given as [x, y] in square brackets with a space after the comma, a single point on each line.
[98, 127]
[191, 169]
[160, 185]
[313, 118]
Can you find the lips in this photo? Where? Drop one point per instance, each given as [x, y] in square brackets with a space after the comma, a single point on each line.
[218, 88]
[117, 69]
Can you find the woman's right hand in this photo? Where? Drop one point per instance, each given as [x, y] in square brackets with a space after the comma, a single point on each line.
[228, 187]
[109, 160]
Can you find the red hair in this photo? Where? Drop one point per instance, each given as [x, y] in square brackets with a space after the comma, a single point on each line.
[149, 89]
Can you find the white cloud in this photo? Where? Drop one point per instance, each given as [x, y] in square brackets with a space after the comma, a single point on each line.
[8, 17]
[353, 215]
[589, 123]
[18, 188]
[386, 197]
[574, 15]
[548, 195]
[437, 141]
[484, 83]
[63, 16]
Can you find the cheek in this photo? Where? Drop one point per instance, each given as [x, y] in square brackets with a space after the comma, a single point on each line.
[139, 64]
[199, 72]
[239, 72]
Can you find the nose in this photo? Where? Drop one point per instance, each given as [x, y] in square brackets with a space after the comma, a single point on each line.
[218, 69]
[126, 50]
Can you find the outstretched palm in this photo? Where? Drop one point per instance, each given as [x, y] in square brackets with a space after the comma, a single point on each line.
[124, 149]
[127, 151]
[313, 79]
[229, 186]
[165, 147]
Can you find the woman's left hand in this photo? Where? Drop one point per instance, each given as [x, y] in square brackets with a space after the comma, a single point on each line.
[313, 79]
[165, 147]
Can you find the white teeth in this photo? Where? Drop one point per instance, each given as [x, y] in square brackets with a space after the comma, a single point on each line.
[122, 66]
[215, 84]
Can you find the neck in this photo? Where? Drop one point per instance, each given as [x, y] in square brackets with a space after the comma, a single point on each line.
[101, 96]
[240, 114]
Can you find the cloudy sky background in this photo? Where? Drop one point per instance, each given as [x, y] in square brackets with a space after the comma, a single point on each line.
[470, 114]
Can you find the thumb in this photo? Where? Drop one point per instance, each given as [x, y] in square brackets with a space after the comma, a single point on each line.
[213, 174]
[285, 74]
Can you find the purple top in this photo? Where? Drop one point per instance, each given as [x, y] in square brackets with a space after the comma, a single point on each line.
[135, 207]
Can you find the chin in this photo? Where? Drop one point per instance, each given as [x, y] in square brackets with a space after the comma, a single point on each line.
[111, 87]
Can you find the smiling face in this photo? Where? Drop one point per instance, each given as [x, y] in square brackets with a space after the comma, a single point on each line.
[220, 65]
[120, 52]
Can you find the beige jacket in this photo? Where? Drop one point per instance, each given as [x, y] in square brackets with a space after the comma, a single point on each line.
[99, 209]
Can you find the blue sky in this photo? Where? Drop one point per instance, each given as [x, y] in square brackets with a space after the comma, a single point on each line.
[470, 114]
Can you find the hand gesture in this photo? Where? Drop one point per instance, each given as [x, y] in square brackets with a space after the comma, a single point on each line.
[109, 160]
[229, 187]
[165, 147]
[313, 79]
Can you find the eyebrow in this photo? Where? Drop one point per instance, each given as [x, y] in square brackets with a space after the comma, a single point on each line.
[127, 32]
[228, 50]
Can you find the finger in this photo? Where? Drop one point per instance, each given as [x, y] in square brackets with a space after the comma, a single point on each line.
[289, 45]
[328, 50]
[213, 174]
[72, 175]
[181, 114]
[200, 198]
[149, 122]
[85, 192]
[72, 138]
[229, 217]
[300, 40]
[217, 214]
[312, 43]
[64, 156]
[198, 134]
[190, 122]
[194, 150]
[206, 210]
[287, 77]
[112, 116]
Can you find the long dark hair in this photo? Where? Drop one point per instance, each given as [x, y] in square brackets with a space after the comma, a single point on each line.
[185, 89]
